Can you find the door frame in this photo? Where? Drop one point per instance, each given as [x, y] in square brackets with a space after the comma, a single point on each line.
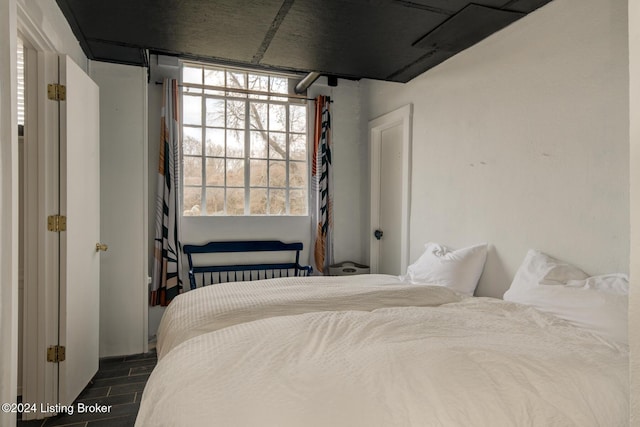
[402, 116]
[41, 298]
[8, 209]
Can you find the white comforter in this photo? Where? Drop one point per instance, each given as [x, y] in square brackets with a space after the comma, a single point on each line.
[219, 306]
[477, 362]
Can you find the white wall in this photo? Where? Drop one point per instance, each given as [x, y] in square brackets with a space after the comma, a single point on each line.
[634, 299]
[522, 141]
[123, 207]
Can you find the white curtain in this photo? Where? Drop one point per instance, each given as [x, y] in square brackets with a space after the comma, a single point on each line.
[322, 189]
[166, 279]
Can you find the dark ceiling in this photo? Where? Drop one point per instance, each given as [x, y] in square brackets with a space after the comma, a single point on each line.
[392, 40]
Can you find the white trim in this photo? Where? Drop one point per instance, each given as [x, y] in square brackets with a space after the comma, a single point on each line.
[8, 209]
[30, 175]
[32, 31]
[144, 281]
[40, 309]
[402, 116]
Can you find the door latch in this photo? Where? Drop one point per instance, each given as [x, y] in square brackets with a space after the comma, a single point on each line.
[378, 234]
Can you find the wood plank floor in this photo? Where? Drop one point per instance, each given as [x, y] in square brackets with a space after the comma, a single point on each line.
[119, 383]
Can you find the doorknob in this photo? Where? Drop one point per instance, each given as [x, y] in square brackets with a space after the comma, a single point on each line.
[101, 247]
[378, 234]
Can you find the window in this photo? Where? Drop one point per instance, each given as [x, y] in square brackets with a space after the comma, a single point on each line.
[244, 143]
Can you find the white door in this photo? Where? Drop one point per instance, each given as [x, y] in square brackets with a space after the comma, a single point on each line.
[80, 203]
[390, 144]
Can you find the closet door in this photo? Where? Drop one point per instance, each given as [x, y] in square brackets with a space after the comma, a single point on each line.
[80, 242]
[390, 145]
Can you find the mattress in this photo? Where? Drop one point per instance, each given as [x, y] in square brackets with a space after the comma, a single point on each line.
[464, 362]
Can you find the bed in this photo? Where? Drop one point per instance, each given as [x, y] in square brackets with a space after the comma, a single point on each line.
[376, 350]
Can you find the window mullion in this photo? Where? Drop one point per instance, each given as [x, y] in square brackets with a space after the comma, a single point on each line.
[203, 187]
[247, 147]
[268, 183]
[224, 170]
[286, 160]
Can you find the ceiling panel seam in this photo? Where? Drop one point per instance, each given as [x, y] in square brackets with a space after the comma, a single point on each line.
[268, 37]
[413, 5]
[398, 72]
[114, 43]
[509, 4]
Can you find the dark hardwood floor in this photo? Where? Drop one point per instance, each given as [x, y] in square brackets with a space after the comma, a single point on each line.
[119, 383]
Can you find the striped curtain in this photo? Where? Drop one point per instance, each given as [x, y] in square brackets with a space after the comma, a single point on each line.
[322, 189]
[166, 279]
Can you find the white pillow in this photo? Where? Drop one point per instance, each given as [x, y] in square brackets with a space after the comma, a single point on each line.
[459, 270]
[598, 304]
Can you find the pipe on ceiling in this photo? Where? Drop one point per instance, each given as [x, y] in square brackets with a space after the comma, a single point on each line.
[306, 82]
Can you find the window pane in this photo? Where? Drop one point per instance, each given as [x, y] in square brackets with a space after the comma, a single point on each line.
[192, 141]
[258, 173]
[277, 117]
[277, 174]
[191, 74]
[192, 170]
[215, 172]
[279, 84]
[235, 114]
[215, 112]
[258, 83]
[213, 77]
[192, 108]
[236, 80]
[298, 147]
[235, 201]
[191, 201]
[298, 118]
[277, 146]
[277, 202]
[258, 201]
[297, 174]
[235, 173]
[258, 145]
[235, 143]
[258, 115]
[298, 202]
[215, 142]
[215, 201]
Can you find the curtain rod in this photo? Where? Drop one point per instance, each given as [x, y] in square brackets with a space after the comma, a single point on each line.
[246, 91]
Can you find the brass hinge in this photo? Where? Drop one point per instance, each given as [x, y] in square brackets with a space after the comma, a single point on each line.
[57, 92]
[57, 223]
[56, 353]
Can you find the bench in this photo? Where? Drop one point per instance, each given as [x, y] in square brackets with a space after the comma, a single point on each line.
[246, 271]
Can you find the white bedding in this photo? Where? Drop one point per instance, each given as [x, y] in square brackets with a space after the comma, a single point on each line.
[477, 362]
[215, 307]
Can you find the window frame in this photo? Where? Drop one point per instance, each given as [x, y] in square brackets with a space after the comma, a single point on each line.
[269, 99]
